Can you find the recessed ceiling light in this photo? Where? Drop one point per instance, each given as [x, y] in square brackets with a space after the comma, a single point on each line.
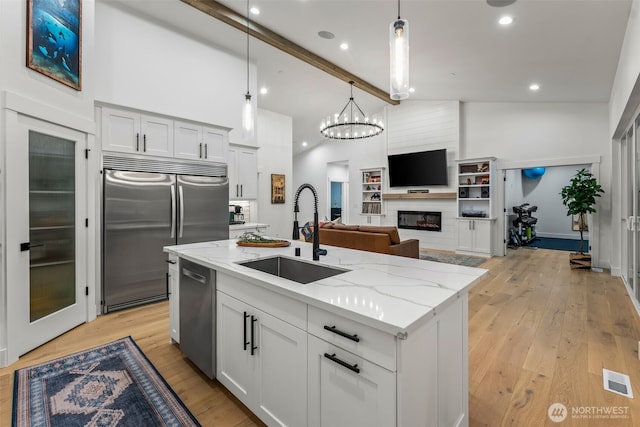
[344, 46]
[534, 87]
[505, 20]
[264, 90]
[304, 143]
[326, 35]
[412, 89]
[254, 10]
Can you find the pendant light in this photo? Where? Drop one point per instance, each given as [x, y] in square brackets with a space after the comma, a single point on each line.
[399, 57]
[351, 123]
[247, 110]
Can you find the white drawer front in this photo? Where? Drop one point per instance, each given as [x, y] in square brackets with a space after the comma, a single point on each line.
[364, 341]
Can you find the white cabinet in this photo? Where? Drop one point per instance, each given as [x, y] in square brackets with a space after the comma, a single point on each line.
[262, 359]
[243, 172]
[352, 380]
[474, 235]
[133, 132]
[195, 142]
[173, 280]
[476, 205]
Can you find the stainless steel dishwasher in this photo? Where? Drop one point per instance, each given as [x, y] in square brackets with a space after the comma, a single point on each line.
[197, 315]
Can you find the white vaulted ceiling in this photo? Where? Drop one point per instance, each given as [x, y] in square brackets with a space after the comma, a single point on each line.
[458, 50]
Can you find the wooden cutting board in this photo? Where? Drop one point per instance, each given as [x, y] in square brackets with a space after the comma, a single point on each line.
[278, 244]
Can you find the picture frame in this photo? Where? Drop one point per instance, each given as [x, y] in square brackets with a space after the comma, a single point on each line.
[575, 223]
[277, 188]
[54, 40]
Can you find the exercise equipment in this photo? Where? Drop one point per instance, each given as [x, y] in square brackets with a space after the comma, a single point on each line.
[523, 231]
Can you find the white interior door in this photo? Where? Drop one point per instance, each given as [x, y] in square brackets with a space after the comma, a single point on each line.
[46, 233]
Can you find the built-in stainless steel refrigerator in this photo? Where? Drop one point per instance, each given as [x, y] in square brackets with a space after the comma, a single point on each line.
[143, 211]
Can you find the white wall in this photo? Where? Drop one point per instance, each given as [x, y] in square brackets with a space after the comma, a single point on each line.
[624, 100]
[145, 65]
[545, 194]
[542, 131]
[411, 126]
[275, 155]
[17, 78]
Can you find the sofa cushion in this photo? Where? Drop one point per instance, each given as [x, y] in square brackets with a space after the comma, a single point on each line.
[346, 227]
[391, 231]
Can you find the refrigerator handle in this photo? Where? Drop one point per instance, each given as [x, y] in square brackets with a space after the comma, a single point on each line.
[173, 211]
[181, 196]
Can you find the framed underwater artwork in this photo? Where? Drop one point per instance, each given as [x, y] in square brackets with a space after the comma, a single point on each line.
[54, 40]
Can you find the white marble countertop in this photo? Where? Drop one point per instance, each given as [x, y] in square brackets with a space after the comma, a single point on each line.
[390, 293]
[247, 226]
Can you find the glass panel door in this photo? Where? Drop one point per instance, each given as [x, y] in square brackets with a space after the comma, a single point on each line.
[635, 156]
[52, 224]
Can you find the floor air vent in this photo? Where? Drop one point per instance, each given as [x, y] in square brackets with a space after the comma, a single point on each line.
[617, 383]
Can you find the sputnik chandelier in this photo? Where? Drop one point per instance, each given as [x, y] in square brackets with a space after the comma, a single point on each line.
[351, 123]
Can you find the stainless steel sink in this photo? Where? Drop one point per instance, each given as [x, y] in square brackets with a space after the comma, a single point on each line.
[293, 269]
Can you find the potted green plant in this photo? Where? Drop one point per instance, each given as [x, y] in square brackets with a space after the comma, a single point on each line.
[580, 198]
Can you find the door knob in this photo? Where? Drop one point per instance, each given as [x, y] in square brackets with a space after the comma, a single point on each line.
[28, 245]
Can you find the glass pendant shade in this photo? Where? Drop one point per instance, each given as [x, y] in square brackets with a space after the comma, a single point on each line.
[399, 58]
[247, 115]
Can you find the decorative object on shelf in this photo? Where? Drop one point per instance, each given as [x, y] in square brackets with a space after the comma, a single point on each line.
[277, 188]
[399, 57]
[351, 123]
[247, 110]
[579, 196]
[54, 40]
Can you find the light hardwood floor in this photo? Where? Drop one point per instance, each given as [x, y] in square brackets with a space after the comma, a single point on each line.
[539, 333]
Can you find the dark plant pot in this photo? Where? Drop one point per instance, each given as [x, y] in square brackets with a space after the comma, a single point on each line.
[578, 261]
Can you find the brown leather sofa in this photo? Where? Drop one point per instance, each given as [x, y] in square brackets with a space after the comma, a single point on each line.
[380, 239]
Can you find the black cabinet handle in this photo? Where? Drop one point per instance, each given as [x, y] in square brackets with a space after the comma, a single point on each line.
[333, 358]
[237, 192]
[171, 261]
[241, 191]
[200, 150]
[168, 292]
[333, 329]
[246, 316]
[28, 245]
[144, 142]
[205, 151]
[253, 322]
[137, 142]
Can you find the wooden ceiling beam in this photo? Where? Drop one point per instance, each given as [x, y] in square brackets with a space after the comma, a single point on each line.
[236, 20]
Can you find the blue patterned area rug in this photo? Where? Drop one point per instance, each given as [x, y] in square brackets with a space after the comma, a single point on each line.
[114, 384]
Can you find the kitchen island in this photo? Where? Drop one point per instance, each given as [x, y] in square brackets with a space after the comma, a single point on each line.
[382, 343]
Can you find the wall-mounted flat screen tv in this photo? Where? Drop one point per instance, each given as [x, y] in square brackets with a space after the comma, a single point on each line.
[419, 168]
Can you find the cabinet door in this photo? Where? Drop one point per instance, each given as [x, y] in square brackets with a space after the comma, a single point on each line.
[188, 141]
[236, 367]
[341, 397]
[214, 144]
[174, 299]
[281, 397]
[120, 130]
[482, 236]
[157, 136]
[465, 235]
[232, 173]
[247, 168]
